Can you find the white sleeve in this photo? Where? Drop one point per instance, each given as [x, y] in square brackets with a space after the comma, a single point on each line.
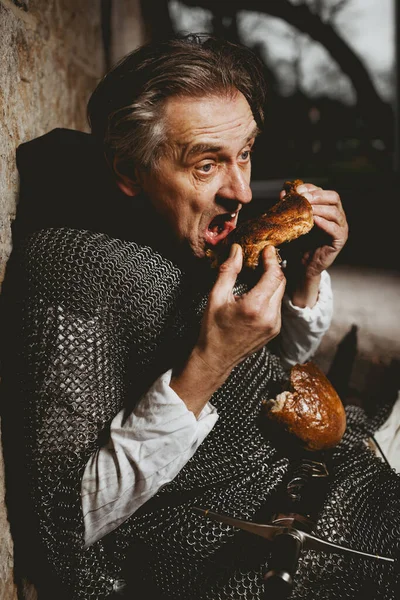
[388, 436]
[303, 328]
[144, 453]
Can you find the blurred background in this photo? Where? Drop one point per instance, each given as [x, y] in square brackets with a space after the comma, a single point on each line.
[332, 118]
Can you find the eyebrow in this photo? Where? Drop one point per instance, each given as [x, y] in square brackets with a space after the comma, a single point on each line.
[204, 147]
[200, 149]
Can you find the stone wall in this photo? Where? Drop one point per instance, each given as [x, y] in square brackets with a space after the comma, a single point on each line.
[51, 56]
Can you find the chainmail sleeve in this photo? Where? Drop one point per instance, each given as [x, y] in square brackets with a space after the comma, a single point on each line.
[77, 292]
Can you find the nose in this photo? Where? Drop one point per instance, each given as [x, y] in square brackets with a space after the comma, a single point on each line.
[236, 185]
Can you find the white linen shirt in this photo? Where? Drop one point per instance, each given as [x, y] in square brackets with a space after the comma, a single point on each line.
[160, 435]
[388, 437]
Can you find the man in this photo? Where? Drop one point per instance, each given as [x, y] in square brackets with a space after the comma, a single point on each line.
[142, 370]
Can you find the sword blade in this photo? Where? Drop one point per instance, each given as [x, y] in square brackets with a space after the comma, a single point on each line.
[313, 543]
[266, 531]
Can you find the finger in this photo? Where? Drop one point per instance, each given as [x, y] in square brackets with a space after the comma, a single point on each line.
[272, 279]
[228, 272]
[301, 189]
[327, 197]
[338, 234]
[269, 257]
[330, 213]
[307, 187]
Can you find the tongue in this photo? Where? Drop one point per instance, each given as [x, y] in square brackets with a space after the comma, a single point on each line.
[218, 229]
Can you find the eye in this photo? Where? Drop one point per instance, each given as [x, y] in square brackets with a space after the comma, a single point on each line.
[245, 155]
[206, 167]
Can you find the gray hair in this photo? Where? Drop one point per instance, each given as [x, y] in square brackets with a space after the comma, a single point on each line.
[126, 109]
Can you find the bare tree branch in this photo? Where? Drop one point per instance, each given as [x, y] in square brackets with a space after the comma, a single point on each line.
[336, 8]
[370, 104]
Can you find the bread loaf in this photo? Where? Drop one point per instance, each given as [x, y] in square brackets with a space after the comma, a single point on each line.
[311, 409]
[285, 221]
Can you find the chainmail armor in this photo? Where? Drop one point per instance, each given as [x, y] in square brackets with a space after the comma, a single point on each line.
[96, 319]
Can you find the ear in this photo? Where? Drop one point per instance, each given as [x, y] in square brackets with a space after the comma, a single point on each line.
[128, 184]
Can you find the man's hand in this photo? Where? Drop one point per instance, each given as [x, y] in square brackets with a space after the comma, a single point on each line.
[233, 327]
[330, 219]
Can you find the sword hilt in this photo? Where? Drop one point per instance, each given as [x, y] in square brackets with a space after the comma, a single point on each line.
[278, 581]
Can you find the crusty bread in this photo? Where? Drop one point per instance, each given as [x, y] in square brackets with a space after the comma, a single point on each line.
[311, 410]
[285, 221]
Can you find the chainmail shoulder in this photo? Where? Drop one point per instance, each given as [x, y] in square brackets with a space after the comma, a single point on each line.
[96, 319]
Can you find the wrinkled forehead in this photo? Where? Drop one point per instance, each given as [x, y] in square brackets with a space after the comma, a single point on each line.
[212, 119]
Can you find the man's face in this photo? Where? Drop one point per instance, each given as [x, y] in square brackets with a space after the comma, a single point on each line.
[201, 184]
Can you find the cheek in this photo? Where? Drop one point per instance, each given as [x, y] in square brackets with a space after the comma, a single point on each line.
[204, 193]
[164, 196]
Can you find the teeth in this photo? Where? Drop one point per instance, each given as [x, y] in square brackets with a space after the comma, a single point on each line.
[233, 215]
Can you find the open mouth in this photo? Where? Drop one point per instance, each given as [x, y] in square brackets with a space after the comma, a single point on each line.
[220, 227]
